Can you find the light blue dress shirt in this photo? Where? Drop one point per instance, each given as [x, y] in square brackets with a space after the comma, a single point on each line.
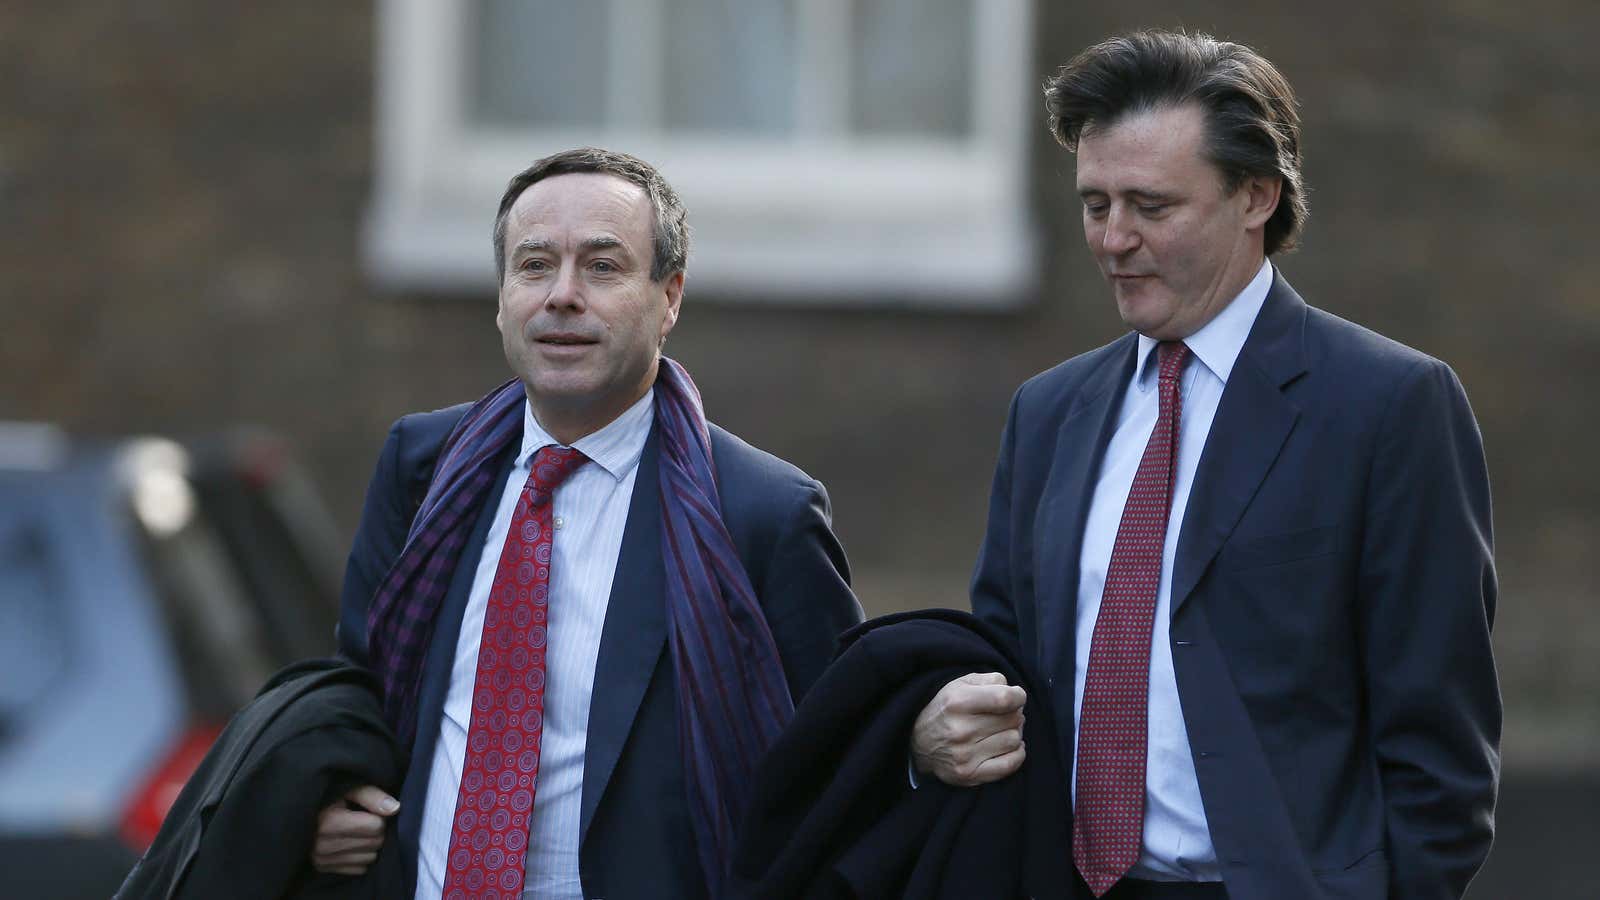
[590, 511]
[1177, 843]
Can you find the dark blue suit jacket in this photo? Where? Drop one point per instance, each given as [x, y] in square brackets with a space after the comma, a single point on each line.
[637, 839]
[1332, 597]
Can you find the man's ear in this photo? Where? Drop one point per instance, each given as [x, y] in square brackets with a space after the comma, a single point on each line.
[674, 289]
[1262, 193]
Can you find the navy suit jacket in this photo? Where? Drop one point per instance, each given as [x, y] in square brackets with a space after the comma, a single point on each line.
[1332, 596]
[637, 839]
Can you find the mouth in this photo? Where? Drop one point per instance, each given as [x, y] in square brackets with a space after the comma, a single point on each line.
[562, 339]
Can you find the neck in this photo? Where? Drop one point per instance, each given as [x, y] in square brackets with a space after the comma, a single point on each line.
[569, 423]
[1232, 282]
[1243, 274]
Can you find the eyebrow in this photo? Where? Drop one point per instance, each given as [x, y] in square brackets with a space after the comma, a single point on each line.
[598, 242]
[1141, 193]
[533, 245]
[602, 242]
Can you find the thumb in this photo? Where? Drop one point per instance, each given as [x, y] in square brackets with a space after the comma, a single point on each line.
[372, 799]
[984, 678]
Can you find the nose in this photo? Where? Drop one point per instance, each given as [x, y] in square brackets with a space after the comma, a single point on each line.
[566, 291]
[1120, 236]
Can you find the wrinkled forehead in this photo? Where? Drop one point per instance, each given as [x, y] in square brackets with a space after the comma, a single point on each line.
[580, 206]
[1154, 144]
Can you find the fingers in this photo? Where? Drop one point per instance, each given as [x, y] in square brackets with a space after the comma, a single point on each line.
[998, 743]
[344, 858]
[347, 841]
[997, 767]
[352, 866]
[350, 831]
[991, 758]
[352, 862]
[983, 693]
[970, 733]
[340, 823]
[968, 729]
[372, 799]
[340, 846]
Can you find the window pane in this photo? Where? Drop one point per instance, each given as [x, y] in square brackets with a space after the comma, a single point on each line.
[729, 65]
[33, 634]
[541, 63]
[912, 67]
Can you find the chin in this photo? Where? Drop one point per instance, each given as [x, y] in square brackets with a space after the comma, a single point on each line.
[1139, 317]
[560, 383]
[1143, 311]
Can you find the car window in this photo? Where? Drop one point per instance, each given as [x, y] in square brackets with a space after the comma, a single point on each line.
[33, 629]
[221, 642]
[292, 597]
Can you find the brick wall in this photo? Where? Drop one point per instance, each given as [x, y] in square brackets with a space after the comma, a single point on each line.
[181, 185]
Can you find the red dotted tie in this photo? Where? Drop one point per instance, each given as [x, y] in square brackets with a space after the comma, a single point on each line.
[489, 840]
[1108, 817]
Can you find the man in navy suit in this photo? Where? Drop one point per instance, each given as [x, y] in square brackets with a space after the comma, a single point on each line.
[590, 248]
[1247, 545]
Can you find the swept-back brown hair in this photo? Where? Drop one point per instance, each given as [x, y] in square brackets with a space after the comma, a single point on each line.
[1252, 124]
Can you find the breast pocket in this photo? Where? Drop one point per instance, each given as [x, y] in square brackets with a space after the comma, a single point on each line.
[1277, 549]
[1280, 606]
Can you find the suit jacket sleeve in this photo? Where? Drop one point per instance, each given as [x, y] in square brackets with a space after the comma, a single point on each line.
[806, 589]
[385, 521]
[1428, 595]
[994, 580]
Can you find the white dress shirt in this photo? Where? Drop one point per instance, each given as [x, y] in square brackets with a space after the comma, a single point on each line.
[590, 511]
[1177, 843]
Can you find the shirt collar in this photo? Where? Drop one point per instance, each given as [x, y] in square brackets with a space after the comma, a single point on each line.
[615, 448]
[1218, 343]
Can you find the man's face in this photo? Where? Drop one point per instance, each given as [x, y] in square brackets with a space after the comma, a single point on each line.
[580, 318]
[1175, 245]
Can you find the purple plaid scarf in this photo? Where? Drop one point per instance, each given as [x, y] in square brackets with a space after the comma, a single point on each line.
[733, 699]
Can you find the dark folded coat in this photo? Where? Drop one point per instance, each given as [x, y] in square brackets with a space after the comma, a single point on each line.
[833, 813]
[243, 825]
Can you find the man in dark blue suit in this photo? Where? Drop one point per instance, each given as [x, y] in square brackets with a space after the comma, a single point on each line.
[1247, 546]
[692, 584]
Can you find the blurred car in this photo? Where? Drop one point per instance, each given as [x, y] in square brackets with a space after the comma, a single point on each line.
[147, 589]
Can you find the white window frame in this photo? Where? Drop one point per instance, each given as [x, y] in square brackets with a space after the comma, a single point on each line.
[811, 219]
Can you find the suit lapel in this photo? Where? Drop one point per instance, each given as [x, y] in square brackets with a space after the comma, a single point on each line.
[1253, 420]
[1080, 446]
[634, 634]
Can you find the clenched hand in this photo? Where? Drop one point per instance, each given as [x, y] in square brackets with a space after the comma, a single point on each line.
[350, 831]
[970, 733]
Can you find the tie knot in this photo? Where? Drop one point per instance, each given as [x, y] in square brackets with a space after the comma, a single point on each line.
[1172, 355]
[551, 466]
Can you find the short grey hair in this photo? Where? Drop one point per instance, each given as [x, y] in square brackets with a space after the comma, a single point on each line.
[671, 229]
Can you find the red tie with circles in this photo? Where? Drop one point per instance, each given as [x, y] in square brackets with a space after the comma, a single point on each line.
[1108, 817]
[489, 840]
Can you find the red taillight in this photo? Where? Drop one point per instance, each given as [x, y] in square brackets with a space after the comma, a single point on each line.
[149, 806]
[261, 463]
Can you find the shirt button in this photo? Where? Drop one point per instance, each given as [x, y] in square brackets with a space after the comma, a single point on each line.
[560, 521]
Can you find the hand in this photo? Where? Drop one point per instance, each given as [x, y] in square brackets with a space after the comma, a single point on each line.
[970, 733]
[350, 831]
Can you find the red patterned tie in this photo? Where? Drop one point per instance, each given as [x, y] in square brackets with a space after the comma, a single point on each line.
[489, 841]
[1108, 818]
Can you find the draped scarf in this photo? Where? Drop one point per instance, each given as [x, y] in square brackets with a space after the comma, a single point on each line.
[733, 699]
